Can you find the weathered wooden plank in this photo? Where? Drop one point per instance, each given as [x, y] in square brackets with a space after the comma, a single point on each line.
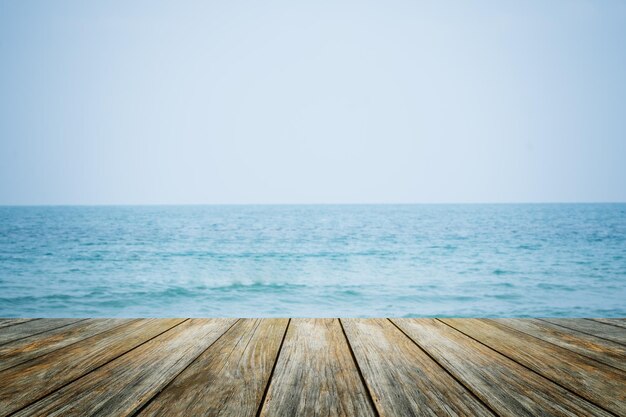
[90, 367]
[13, 322]
[229, 378]
[123, 385]
[23, 350]
[601, 384]
[33, 327]
[25, 383]
[602, 350]
[504, 385]
[594, 328]
[403, 380]
[315, 374]
[613, 322]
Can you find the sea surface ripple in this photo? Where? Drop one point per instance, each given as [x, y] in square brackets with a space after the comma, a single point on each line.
[320, 260]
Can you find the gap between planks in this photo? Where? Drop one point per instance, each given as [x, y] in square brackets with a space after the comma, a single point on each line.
[364, 383]
[78, 376]
[600, 350]
[269, 380]
[542, 375]
[461, 382]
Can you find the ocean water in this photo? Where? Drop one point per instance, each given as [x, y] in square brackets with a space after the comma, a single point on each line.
[323, 261]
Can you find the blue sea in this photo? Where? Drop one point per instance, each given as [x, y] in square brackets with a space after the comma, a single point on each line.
[566, 260]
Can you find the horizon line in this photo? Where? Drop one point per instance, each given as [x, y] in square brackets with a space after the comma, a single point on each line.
[308, 204]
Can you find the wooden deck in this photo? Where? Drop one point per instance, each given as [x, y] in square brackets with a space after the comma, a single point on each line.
[307, 367]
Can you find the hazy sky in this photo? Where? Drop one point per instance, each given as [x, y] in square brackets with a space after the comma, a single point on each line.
[105, 102]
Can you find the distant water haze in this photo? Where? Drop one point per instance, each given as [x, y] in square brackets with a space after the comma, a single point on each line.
[294, 261]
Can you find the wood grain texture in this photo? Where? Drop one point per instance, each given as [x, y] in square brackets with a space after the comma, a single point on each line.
[427, 367]
[29, 328]
[594, 328]
[23, 350]
[614, 322]
[403, 380]
[602, 350]
[601, 384]
[25, 383]
[123, 385]
[505, 386]
[315, 374]
[229, 378]
[13, 322]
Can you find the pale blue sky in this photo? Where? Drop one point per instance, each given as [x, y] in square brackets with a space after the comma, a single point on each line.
[336, 101]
